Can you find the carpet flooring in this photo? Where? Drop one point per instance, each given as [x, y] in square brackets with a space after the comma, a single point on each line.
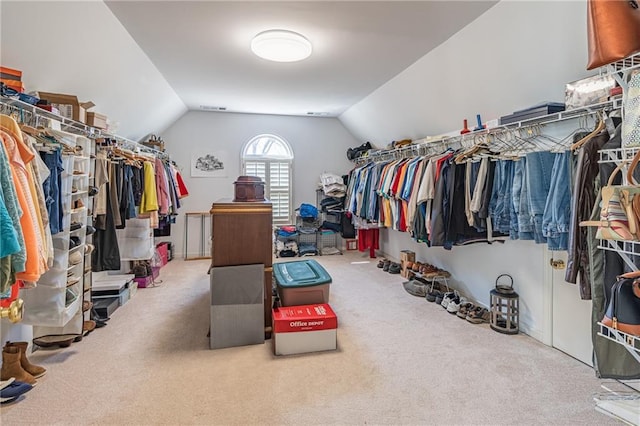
[400, 360]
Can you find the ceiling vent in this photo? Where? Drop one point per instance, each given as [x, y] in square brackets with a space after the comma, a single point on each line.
[318, 114]
[212, 108]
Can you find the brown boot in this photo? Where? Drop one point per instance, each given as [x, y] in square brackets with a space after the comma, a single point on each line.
[11, 366]
[35, 370]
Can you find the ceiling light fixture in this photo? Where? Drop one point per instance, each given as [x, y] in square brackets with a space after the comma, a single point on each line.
[281, 46]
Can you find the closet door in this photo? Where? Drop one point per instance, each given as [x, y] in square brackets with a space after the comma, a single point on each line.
[571, 324]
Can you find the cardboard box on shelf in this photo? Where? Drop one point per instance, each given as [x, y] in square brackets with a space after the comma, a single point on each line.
[302, 329]
[405, 272]
[97, 120]
[10, 74]
[68, 105]
[407, 255]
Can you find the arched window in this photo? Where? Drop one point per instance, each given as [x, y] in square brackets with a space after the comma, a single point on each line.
[270, 158]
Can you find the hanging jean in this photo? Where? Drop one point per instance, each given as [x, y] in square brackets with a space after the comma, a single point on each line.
[500, 206]
[52, 189]
[523, 229]
[539, 167]
[557, 213]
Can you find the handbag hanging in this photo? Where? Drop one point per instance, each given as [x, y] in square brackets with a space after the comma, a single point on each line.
[623, 311]
[620, 207]
[613, 30]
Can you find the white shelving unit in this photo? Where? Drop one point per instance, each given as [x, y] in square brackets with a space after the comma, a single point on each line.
[54, 307]
[623, 405]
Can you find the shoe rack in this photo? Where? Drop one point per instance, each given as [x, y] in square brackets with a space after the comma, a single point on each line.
[54, 306]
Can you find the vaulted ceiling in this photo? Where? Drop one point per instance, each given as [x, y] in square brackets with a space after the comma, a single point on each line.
[145, 63]
[202, 48]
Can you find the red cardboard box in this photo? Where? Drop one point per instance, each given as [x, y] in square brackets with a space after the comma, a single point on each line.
[302, 329]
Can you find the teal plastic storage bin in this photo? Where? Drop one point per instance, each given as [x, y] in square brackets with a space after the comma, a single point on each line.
[302, 282]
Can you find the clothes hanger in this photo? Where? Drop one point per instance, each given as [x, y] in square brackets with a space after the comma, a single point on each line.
[598, 129]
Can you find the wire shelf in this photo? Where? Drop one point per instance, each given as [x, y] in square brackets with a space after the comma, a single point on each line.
[625, 249]
[434, 145]
[624, 65]
[629, 341]
[616, 155]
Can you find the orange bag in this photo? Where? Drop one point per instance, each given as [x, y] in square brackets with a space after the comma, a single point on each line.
[613, 30]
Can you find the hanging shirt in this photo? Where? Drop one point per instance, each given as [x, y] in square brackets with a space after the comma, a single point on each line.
[161, 188]
[149, 201]
[10, 198]
[181, 185]
[36, 259]
[101, 178]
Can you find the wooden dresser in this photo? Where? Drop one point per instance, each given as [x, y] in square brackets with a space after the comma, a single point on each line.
[242, 235]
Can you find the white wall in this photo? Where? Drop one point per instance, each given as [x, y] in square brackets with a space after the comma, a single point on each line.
[319, 145]
[474, 270]
[515, 55]
[80, 48]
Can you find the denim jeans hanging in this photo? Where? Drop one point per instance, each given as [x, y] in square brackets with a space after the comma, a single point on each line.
[539, 167]
[557, 212]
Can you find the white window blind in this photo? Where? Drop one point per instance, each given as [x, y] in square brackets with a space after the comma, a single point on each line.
[256, 168]
[270, 158]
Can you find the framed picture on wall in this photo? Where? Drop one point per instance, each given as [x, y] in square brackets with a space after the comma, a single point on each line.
[209, 164]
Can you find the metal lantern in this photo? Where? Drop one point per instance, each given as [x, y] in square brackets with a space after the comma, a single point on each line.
[504, 307]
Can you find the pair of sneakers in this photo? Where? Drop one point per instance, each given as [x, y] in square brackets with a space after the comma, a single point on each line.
[452, 301]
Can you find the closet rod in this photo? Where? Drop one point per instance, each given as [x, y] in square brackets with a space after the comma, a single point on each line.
[21, 107]
[457, 141]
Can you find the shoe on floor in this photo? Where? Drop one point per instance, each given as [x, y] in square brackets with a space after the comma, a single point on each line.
[454, 306]
[434, 291]
[381, 263]
[13, 391]
[447, 298]
[88, 326]
[35, 370]
[385, 265]
[62, 340]
[415, 288]
[478, 315]
[464, 310]
[394, 268]
[5, 383]
[12, 366]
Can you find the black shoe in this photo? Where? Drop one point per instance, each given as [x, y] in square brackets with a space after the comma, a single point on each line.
[385, 266]
[75, 226]
[74, 242]
[394, 268]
